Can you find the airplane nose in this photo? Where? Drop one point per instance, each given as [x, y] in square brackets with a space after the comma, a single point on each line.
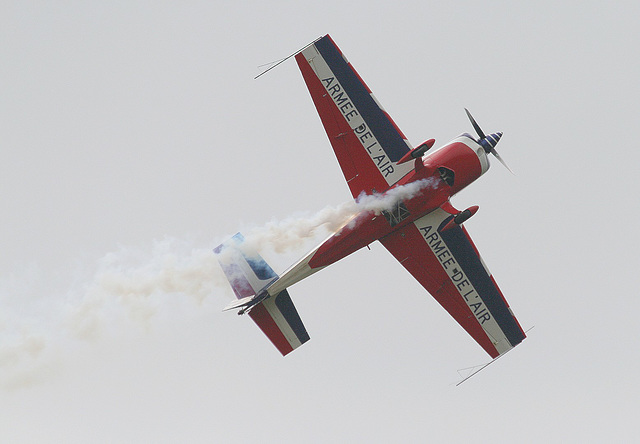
[490, 141]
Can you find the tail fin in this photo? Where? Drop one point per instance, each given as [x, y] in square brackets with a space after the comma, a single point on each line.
[250, 276]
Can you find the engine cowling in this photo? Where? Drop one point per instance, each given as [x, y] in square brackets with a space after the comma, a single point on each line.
[459, 163]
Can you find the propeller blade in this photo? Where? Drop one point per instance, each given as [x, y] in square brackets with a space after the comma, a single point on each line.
[475, 125]
[495, 153]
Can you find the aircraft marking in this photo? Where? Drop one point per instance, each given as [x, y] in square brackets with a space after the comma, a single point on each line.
[460, 280]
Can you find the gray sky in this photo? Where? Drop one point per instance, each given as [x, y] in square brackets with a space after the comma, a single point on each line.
[134, 139]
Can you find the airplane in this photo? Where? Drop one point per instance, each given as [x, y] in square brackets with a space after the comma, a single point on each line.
[421, 229]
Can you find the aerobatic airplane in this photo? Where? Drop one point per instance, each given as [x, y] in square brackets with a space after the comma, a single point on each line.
[423, 231]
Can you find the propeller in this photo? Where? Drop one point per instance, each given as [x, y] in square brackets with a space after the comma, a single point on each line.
[488, 142]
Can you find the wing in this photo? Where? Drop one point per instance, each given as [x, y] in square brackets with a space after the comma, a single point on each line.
[365, 139]
[448, 265]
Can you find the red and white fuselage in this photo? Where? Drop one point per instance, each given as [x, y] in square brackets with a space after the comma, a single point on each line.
[445, 172]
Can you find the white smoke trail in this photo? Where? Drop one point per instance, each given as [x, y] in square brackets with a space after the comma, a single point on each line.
[378, 203]
[24, 321]
[132, 279]
[292, 233]
[131, 285]
[126, 286]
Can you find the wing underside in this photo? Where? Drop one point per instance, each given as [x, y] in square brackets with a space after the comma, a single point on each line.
[448, 266]
[365, 139]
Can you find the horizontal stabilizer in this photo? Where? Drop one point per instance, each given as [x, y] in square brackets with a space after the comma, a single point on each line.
[239, 303]
[278, 318]
[250, 276]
